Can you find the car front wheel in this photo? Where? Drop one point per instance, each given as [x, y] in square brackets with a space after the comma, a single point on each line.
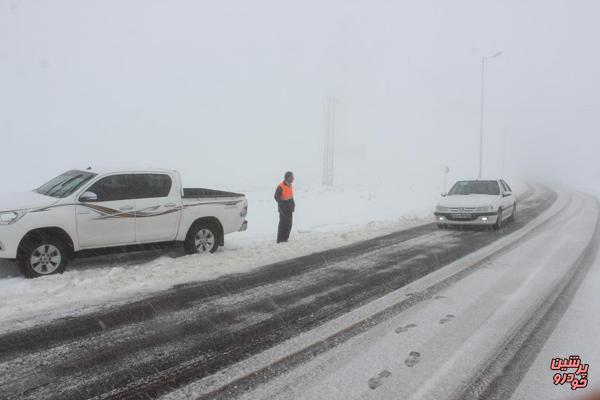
[498, 223]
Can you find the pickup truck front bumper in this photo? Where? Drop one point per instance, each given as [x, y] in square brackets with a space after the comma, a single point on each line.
[446, 218]
[244, 226]
[10, 236]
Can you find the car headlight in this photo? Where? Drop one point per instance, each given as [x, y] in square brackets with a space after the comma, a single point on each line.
[10, 217]
[441, 208]
[484, 209]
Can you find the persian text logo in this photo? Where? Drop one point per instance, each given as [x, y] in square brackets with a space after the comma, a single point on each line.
[577, 379]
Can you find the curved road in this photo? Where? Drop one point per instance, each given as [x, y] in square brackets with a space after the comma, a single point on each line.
[151, 347]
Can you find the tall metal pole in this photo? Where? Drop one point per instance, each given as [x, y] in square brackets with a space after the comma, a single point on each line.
[483, 59]
[481, 120]
[326, 143]
[329, 144]
[332, 170]
[446, 170]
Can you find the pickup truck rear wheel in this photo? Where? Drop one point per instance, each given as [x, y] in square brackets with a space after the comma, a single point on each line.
[43, 256]
[201, 238]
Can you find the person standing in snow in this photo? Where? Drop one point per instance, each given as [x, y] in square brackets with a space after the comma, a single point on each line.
[284, 196]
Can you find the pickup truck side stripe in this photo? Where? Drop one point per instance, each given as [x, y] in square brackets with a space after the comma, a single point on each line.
[106, 212]
[226, 203]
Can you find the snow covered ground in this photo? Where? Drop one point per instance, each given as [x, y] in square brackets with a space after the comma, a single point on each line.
[325, 218]
[576, 334]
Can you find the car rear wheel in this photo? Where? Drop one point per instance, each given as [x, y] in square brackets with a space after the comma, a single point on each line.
[513, 216]
[43, 256]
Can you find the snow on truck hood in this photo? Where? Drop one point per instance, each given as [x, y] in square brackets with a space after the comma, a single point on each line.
[471, 200]
[25, 201]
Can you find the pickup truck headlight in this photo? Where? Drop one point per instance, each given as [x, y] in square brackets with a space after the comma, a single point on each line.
[441, 208]
[484, 209]
[10, 217]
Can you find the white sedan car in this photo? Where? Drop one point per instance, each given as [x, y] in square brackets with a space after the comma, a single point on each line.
[477, 202]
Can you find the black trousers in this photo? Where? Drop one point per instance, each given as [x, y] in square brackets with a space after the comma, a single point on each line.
[285, 227]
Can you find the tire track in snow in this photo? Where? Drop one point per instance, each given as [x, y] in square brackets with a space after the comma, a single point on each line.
[505, 371]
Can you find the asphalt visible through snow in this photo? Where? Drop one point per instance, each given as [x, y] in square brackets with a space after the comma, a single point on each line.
[150, 347]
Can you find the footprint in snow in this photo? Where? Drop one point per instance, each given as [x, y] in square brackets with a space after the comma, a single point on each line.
[447, 318]
[377, 380]
[405, 328]
[413, 358]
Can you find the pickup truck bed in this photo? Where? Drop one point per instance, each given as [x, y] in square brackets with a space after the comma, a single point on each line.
[197, 193]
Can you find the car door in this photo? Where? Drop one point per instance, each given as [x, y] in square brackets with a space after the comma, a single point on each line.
[510, 199]
[107, 217]
[157, 208]
[507, 198]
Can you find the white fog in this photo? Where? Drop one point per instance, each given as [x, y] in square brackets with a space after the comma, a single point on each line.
[232, 93]
[241, 283]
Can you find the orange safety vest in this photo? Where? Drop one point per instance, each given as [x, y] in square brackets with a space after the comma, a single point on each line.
[287, 193]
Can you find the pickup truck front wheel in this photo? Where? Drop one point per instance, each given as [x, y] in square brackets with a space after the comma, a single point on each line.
[201, 238]
[41, 257]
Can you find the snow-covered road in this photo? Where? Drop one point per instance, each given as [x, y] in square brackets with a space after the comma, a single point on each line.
[208, 330]
[458, 342]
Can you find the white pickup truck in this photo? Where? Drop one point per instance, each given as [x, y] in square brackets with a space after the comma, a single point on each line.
[93, 209]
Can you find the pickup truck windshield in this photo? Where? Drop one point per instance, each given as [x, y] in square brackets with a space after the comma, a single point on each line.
[65, 184]
[475, 187]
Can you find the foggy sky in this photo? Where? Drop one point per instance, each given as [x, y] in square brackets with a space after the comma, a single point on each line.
[232, 92]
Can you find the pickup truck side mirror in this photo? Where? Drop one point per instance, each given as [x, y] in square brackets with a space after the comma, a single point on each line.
[88, 196]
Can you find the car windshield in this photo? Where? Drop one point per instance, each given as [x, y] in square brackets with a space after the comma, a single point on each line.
[65, 184]
[475, 187]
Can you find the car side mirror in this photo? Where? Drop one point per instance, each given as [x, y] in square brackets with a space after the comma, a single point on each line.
[506, 194]
[88, 196]
[444, 194]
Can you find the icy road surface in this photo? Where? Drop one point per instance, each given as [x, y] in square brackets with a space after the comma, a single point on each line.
[174, 339]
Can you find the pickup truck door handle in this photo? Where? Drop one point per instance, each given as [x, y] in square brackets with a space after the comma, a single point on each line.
[126, 208]
[170, 205]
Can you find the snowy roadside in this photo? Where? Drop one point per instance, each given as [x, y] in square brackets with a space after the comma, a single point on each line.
[325, 219]
[576, 334]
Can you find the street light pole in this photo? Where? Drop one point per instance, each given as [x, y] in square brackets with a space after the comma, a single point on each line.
[483, 59]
